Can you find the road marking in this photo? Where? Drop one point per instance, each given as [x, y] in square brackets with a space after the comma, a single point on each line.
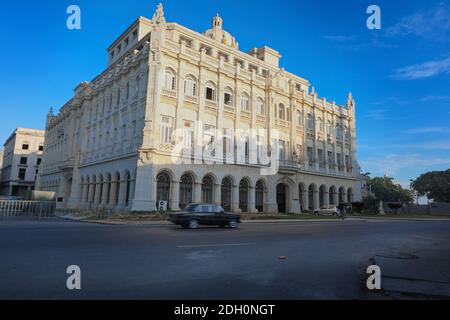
[216, 245]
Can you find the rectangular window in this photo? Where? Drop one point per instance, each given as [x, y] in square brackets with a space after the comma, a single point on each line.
[208, 140]
[22, 173]
[347, 163]
[310, 155]
[228, 100]
[321, 157]
[339, 161]
[330, 160]
[282, 150]
[39, 160]
[166, 129]
[210, 94]
[41, 148]
[25, 146]
[23, 160]
[188, 134]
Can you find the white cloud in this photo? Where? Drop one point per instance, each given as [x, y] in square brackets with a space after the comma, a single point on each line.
[423, 70]
[433, 145]
[426, 130]
[339, 38]
[377, 114]
[393, 163]
[433, 24]
[434, 98]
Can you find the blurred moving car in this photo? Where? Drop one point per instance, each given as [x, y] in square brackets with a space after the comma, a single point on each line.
[330, 210]
[195, 215]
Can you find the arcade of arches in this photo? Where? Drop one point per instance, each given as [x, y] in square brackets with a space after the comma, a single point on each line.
[244, 195]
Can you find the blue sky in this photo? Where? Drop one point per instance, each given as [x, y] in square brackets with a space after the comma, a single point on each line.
[399, 75]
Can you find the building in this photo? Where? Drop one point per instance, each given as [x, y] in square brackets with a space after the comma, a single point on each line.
[116, 143]
[22, 156]
[1, 164]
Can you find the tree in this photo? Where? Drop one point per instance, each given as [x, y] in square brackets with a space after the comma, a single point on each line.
[386, 190]
[435, 185]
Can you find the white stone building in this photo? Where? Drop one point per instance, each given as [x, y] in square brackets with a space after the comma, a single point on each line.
[113, 145]
[22, 156]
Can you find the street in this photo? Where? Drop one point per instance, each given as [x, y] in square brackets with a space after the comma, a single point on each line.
[283, 260]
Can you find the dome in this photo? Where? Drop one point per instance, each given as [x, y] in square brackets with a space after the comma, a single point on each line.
[220, 35]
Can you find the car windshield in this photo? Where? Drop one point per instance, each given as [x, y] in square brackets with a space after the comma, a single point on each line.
[191, 208]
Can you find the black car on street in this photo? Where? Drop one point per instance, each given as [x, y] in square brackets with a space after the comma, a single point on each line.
[195, 215]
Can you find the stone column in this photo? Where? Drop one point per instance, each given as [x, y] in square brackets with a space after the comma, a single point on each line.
[104, 201]
[316, 200]
[271, 205]
[91, 194]
[175, 198]
[98, 187]
[305, 200]
[235, 199]
[326, 198]
[112, 194]
[217, 198]
[83, 193]
[197, 192]
[295, 203]
[122, 193]
[252, 200]
[144, 197]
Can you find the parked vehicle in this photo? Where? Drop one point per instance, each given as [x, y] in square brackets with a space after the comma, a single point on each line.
[330, 210]
[195, 215]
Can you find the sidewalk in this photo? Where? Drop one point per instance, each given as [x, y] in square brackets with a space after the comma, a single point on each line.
[422, 275]
[156, 223]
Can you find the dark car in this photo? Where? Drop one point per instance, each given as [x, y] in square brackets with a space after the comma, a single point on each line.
[195, 215]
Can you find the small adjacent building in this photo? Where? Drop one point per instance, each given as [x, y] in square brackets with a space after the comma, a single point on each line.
[21, 158]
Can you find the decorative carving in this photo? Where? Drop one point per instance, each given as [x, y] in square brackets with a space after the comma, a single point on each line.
[158, 17]
[350, 101]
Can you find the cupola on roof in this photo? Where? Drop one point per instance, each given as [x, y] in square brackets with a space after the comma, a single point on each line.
[217, 33]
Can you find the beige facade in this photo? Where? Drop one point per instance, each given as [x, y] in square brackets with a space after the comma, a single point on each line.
[115, 144]
[22, 156]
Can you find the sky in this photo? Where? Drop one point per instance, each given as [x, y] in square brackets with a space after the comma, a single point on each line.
[399, 75]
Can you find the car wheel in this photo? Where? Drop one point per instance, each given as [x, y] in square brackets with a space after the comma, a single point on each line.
[193, 224]
[233, 224]
[317, 213]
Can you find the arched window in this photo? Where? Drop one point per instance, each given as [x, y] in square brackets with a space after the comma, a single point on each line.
[163, 187]
[190, 86]
[338, 131]
[186, 190]
[207, 190]
[260, 107]
[346, 134]
[298, 118]
[245, 102]
[310, 122]
[228, 97]
[210, 91]
[281, 111]
[320, 124]
[329, 129]
[169, 79]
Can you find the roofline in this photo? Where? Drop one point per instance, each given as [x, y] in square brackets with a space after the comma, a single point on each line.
[133, 25]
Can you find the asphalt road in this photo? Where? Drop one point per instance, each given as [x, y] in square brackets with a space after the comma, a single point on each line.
[323, 259]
